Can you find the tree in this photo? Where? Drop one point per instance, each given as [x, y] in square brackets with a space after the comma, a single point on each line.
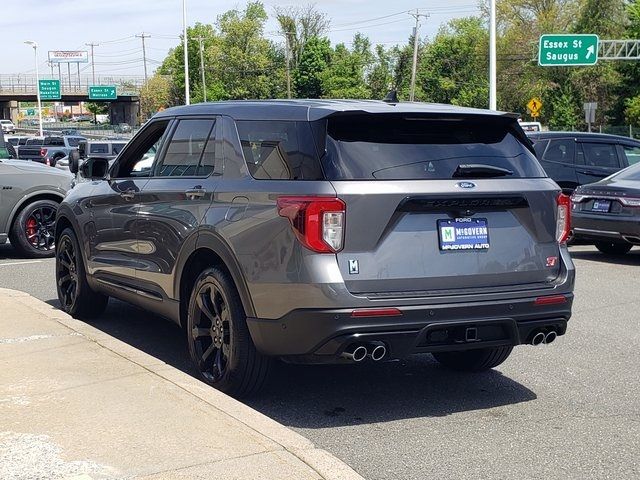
[632, 112]
[345, 75]
[380, 79]
[454, 67]
[564, 114]
[96, 109]
[299, 25]
[155, 95]
[307, 77]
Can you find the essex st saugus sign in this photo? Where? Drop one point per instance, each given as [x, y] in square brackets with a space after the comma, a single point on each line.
[568, 50]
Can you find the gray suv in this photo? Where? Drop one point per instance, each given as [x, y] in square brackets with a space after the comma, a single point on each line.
[322, 232]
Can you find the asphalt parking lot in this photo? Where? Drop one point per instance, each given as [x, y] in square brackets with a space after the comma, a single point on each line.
[568, 410]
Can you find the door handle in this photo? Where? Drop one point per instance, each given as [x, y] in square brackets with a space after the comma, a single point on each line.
[197, 192]
[128, 194]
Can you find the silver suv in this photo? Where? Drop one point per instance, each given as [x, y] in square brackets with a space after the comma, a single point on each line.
[323, 232]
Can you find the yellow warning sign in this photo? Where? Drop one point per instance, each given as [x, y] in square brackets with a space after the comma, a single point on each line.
[534, 106]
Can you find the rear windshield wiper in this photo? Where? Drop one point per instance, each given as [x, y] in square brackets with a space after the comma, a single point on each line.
[479, 170]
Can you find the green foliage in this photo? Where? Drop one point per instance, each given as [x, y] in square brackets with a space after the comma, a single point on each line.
[155, 95]
[96, 108]
[345, 74]
[632, 112]
[454, 68]
[314, 59]
[565, 115]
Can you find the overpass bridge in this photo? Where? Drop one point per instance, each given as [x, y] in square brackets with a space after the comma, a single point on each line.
[15, 88]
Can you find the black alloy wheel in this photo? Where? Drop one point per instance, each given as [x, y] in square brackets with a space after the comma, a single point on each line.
[74, 293]
[33, 229]
[211, 331]
[39, 228]
[67, 273]
[218, 338]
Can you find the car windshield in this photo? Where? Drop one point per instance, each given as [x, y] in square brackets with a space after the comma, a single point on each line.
[377, 147]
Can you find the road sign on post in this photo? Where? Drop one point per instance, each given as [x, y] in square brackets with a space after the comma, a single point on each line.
[534, 106]
[568, 50]
[102, 92]
[49, 89]
[590, 113]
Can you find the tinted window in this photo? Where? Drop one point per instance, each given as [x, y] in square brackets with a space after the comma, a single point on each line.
[99, 148]
[279, 150]
[116, 148]
[140, 157]
[191, 150]
[632, 154]
[562, 151]
[73, 142]
[393, 147]
[539, 146]
[34, 141]
[55, 141]
[600, 155]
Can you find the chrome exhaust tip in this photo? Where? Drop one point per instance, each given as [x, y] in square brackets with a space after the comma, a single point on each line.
[538, 338]
[356, 353]
[378, 352]
[550, 337]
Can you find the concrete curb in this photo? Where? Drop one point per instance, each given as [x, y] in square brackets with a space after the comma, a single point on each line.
[325, 464]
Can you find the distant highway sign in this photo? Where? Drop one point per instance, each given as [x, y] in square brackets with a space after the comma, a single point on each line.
[49, 89]
[102, 92]
[568, 50]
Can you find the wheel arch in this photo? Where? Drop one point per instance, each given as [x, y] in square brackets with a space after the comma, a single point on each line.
[210, 251]
[28, 199]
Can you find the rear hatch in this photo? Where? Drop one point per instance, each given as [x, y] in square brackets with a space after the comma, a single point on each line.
[440, 204]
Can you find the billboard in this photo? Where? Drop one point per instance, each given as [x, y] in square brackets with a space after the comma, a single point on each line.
[68, 56]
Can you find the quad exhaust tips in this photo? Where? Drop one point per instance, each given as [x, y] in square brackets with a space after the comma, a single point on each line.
[356, 352]
[544, 337]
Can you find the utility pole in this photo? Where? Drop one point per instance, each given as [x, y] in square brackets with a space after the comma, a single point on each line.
[186, 52]
[144, 53]
[493, 97]
[93, 63]
[416, 15]
[204, 84]
[288, 54]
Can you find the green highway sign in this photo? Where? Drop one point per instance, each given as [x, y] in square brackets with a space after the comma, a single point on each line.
[568, 50]
[49, 89]
[102, 92]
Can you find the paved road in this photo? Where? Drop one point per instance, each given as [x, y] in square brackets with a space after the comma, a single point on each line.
[568, 410]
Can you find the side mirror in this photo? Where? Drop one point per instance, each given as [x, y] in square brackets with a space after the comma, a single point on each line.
[74, 161]
[94, 168]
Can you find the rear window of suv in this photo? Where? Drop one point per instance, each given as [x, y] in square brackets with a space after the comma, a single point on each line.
[394, 147]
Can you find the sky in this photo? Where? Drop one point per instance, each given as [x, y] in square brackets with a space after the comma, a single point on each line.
[113, 24]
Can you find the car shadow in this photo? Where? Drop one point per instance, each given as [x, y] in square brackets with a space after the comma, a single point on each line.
[7, 252]
[631, 259]
[323, 396]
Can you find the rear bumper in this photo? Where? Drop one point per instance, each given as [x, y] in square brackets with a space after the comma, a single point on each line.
[322, 335]
[600, 227]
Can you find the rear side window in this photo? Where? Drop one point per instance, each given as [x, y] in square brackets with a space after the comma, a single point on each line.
[116, 148]
[99, 148]
[632, 154]
[600, 155]
[562, 151]
[191, 150]
[539, 146]
[279, 150]
[394, 147]
[55, 141]
[73, 141]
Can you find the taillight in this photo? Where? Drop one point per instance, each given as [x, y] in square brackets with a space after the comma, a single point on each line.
[43, 152]
[318, 222]
[563, 222]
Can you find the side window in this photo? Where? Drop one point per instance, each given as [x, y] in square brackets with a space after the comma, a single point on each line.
[279, 150]
[191, 150]
[561, 150]
[98, 148]
[632, 154]
[117, 147]
[600, 155]
[139, 158]
[539, 146]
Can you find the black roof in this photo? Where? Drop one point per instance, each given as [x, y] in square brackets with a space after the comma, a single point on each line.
[309, 110]
[580, 135]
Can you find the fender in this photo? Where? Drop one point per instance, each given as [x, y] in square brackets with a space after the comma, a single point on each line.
[18, 206]
[211, 240]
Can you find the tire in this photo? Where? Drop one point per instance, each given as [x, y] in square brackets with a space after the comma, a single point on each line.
[478, 360]
[614, 248]
[33, 230]
[55, 159]
[218, 339]
[74, 293]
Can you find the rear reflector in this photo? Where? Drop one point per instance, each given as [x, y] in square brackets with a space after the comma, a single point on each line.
[551, 300]
[563, 219]
[376, 312]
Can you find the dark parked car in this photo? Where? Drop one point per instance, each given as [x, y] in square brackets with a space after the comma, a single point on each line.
[608, 212]
[324, 231]
[573, 159]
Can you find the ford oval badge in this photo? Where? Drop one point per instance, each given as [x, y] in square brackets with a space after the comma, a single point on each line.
[466, 185]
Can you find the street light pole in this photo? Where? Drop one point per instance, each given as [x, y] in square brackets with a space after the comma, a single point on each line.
[186, 52]
[493, 98]
[35, 51]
